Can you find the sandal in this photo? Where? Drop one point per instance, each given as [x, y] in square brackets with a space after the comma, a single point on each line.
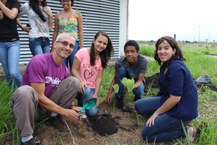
[192, 133]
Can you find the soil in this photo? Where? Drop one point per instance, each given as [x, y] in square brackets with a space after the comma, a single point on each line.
[111, 127]
[103, 124]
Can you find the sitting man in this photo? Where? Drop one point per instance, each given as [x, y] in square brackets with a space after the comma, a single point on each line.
[131, 66]
[47, 87]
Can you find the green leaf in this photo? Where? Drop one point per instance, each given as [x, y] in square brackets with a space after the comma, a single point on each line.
[128, 83]
[116, 88]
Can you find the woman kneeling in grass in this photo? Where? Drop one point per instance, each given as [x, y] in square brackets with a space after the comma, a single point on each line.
[176, 104]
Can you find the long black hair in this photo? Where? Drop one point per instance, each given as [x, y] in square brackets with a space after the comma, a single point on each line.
[35, 6]
[105, 54]
[172, 42]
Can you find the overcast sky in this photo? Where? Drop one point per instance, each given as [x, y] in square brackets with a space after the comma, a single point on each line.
[191, 20]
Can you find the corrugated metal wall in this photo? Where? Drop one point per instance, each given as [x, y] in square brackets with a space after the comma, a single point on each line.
[97, 15]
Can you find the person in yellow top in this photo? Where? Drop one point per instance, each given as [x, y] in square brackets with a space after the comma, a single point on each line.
[69, 20]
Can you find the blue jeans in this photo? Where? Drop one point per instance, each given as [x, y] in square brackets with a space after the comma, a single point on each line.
[9, 58]
[39, 45]
[122, 72]
[87, 95]
[165, 127]
[69, 60]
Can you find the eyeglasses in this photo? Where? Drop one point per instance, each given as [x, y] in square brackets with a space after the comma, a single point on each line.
[65, 43]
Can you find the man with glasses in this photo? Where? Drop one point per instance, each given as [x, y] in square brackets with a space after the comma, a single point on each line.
[47, 88]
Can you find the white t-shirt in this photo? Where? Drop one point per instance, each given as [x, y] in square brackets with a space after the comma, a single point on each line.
[39, 27]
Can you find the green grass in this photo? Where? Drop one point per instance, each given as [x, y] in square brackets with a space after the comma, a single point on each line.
[7, 122]
[208, 134]
[198, 63]
[147, 49]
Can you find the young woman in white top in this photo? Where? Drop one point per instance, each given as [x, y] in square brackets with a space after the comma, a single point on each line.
[40, 22]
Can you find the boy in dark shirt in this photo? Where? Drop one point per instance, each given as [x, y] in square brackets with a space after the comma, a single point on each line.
[132, 66]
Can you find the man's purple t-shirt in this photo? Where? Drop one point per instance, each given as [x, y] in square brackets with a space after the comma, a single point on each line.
[43, 69]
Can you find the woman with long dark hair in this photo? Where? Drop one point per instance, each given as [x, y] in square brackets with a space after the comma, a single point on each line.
[9, 41]
[176, 104]
[40, 22]
[88, 67]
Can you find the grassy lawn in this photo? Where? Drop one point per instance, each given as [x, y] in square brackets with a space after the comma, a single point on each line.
[199, 64]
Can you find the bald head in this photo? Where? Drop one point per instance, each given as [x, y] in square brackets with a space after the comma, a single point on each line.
[63, 36]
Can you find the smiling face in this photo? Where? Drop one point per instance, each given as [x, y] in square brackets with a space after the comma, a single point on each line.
[66, 4]
[100, 43]
[165, 51]
[131, 54]
[64, 45]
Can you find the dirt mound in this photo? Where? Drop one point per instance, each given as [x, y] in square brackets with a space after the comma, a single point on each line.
[112, 126]
[104, 124]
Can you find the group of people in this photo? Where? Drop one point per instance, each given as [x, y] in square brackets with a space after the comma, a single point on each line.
[48, 88]
[40, 24]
